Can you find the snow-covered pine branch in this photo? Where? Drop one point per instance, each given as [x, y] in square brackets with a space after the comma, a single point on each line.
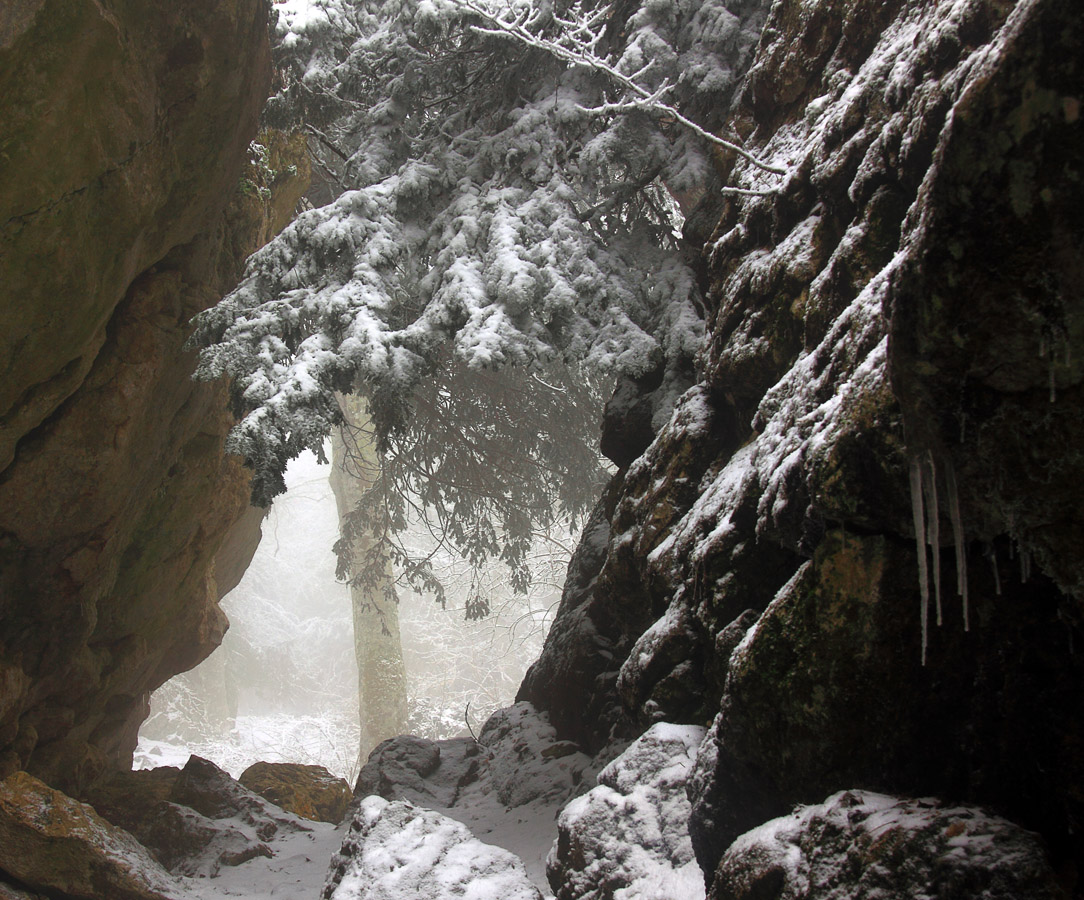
[478, 216]
[576, 45]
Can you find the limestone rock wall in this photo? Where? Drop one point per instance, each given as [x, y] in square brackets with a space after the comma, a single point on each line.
[126, 132]
[897, 326]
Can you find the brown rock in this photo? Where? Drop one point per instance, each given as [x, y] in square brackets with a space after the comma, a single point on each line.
[210, 791]
[120, 217]
[7, 892]
[311, 792]
[186, 841]
[57, 845]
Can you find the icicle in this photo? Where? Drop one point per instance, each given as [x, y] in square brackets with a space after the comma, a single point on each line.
[1042, 346]
[933, 530]
[1025, 566]
[920, 545]
[958, 539]
[997, 575]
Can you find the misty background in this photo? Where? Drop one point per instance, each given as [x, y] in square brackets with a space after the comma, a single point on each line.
[284, 685]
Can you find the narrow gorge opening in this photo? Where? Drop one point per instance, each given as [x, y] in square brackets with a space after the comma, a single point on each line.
[284, 687]
[795, 256]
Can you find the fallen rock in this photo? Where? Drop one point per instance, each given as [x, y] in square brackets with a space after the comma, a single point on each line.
[628, 838]
[426, 772]
[311, 792]
[57, 845]
[209, 790]
[858, 845]
[517, 774]
[194, 821]
[395, 849]
[125, 798]
[527, 761]
[188, 843]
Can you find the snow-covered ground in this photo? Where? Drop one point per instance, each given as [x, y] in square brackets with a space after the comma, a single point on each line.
[296, 871]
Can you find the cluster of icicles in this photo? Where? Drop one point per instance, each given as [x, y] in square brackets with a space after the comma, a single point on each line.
[926, 513]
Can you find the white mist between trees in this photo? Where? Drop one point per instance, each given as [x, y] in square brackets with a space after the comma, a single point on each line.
[283, 685]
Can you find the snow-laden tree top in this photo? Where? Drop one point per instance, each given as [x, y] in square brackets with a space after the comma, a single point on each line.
[502, 174]
[501, 208]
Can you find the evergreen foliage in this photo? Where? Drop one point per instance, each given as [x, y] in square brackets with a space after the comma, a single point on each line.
[501, 244]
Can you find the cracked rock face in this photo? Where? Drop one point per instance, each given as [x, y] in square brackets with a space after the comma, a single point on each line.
[125, 135]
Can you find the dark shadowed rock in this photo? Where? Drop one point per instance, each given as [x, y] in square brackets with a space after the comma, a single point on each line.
[898, 325]
[195, 820]
[120, 218]
[209, 790]
[429, 773]
[863, 846]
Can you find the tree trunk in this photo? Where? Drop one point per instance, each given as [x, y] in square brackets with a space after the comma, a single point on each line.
[381, 675]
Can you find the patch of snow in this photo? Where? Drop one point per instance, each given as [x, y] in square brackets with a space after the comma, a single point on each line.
[296, 870]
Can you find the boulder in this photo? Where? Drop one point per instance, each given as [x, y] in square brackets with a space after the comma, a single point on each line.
[628, 836]
[188, 843]
[311, 792]
[61, 847]
[526, 761]
[195, 820]
[426, 772]
[395, 849]
[859, 845]
[210, 791]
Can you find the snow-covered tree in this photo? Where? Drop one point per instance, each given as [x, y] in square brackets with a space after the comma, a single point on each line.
[501, 241]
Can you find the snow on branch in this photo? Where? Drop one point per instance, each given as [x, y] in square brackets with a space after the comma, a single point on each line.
[577, 45]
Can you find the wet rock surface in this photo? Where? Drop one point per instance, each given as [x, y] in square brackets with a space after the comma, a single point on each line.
[879, 460]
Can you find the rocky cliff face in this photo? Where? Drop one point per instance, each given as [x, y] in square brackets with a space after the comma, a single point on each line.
[853, 550]
[126, 129]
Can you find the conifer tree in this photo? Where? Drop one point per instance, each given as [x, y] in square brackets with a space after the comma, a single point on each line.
[498, 244]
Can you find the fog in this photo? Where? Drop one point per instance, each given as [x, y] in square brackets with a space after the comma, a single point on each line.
[283, 685]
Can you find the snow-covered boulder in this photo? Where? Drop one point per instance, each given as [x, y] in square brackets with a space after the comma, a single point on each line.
[628, 838]
[210, 791]
[396, 851]
[195, 820]
[527, 761]
[859, 845]
[426, 772]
